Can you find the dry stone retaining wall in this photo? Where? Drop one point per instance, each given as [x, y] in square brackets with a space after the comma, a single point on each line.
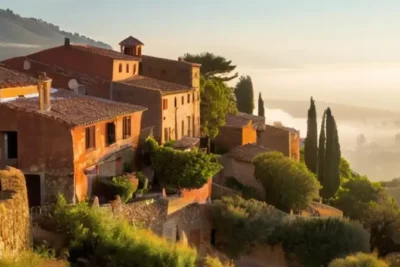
[15, 227]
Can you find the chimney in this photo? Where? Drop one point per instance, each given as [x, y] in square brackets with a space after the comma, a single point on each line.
[180, 59]
[44, 86]
[67, 42]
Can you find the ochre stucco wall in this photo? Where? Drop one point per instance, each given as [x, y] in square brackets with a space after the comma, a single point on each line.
[87, 158]
[276, 139]
[173, 116]
[16, 91]
[295, 146]
[230, 137]
[124, 74]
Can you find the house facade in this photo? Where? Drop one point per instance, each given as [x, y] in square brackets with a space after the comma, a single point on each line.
[169, 89]
[60, 139]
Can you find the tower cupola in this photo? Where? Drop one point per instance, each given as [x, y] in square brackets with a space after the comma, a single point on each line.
[131, 46]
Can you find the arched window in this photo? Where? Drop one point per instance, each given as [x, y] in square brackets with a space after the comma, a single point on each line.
[175, 102]
[183, 100]
[120, 67]
[127, 68]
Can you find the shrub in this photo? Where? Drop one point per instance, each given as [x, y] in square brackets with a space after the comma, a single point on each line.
[182, 169]
[247, 191]
[308, 241]
[97, 236]
[123, 186]
[170, 143]
[215, 262]
[288, 184]
[30, 259]
[358, 260]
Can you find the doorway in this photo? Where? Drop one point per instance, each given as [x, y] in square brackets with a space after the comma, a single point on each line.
[34, 189]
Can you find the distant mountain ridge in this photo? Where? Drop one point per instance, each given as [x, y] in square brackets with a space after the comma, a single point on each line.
[21, 36]
[298, 109]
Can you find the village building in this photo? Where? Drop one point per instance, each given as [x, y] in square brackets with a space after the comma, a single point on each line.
[61, 139]
[169, 89]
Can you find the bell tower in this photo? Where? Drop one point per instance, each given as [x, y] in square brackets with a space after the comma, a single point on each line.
[131, 47]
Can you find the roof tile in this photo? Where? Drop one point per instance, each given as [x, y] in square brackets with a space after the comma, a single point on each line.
[247, 152]
[75, 109]
[10, 78]
[130, 41]
[160, 85]
[236, 121]
[105, 52]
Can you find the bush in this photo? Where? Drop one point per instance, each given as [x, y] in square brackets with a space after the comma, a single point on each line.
[97, 236]
[308, 241]
[182, 169]
[30, 259]
[215, 262]
[122, 186]
[358, 260]
[288, 184]
[247, 191]
[170, 143]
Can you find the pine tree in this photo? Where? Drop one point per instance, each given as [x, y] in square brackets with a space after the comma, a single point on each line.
[311, 142]
[321, 151]
[261, 111]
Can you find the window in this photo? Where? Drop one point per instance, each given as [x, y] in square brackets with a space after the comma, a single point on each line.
[127, 127]
[189, 132]
[198, 95]
[166, 134]
[183, 128]
[188, 98]
[193, 97]
[127, 68]
[183, 100]
[175, 102]
[134, 68]
[110, 133]
[90, 137]
[120, 67]
[165, 104]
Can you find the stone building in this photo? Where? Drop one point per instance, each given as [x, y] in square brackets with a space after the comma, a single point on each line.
[169, 89]
[62, 139]
[281, 138]
[237, 131]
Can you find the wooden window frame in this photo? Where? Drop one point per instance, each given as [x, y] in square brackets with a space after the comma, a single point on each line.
[127, 127]
[120, 67]
[183, 100]
[90, 137]
[127, 68]
[188, 98]
[110, 137]
[164, 104]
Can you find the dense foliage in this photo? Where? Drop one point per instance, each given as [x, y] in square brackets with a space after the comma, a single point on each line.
[217, 100]
[311, 142]
[101, 239]
[213, 66]
[321, 150]
[183, 169]
[288, 184]
[245, 95]
[247, 191]
[358, 260]
[370, 204]
[122, 186]
[30, 259]
[261, 109]
[329, 157]
[310, 242]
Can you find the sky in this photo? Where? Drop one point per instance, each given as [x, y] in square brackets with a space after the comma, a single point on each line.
[335, 50]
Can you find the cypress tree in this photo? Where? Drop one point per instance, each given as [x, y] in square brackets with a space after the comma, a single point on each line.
[321, 151]
[244, 95]
[331, 172]
[311, 142]
[261, 111]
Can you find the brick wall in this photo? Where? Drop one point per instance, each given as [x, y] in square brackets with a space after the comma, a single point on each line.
[15, 228]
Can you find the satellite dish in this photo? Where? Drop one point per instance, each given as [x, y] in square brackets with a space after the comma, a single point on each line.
[27, 65]
[73, 84]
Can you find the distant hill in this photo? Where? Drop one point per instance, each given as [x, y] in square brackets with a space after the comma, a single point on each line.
[343, 112]
[21, 36]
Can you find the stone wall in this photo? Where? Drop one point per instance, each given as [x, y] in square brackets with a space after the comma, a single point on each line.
[15, 228]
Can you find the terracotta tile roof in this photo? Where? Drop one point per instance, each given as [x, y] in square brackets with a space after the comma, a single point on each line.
[160, 85]
[131, 41]
[10, 78]
[105, 52]
[279, 125]
[144, 57]
[186, 142]
[75, 109]
[257, 121]
[247, 152]
[236, 121]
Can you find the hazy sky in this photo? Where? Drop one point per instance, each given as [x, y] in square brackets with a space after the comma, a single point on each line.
[290, 47]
